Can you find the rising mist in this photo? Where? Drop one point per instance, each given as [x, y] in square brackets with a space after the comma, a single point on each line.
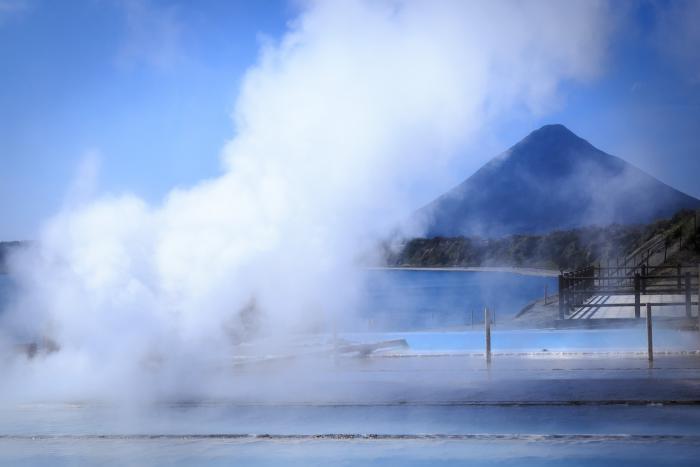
[334, 126]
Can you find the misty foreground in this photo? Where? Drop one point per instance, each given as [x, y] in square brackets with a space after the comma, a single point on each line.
[393, 408]
[409, 386]
[375, 395]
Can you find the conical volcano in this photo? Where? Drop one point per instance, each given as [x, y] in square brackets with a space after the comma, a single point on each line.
[551, 180]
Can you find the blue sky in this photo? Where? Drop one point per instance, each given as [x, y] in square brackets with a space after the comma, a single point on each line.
[149, 87]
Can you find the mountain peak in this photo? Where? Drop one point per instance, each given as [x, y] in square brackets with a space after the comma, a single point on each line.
[552, 179]
[551, 138]
[552, 129]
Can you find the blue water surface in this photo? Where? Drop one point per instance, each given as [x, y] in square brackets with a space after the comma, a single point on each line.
[415, 300]
[405, 300]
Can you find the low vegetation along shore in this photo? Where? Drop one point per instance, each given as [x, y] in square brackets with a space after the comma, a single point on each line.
[543, 255]
[559, 250]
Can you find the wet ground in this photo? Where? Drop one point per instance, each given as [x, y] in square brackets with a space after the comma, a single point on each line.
[580, 409]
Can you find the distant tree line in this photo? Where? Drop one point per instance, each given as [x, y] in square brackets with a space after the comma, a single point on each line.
[563, 250]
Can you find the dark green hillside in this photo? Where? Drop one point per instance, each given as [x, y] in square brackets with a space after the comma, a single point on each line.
[563, 249]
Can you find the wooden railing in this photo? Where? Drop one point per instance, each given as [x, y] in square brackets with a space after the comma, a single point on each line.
[655, 251]
[641, 272]
[576, 287]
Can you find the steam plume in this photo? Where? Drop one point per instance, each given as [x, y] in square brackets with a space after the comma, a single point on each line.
[334, 126]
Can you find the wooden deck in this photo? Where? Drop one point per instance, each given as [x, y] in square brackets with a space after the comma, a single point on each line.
[622, 306]
[609, 294]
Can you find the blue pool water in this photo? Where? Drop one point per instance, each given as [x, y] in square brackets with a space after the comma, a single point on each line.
[538, 340]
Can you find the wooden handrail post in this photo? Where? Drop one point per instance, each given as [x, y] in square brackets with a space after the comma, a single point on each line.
[650, 339]
[687, 295]
[596, 275]
[698, 296]
[607, 273]
[562, 296]
[636, 295]
[487, 326]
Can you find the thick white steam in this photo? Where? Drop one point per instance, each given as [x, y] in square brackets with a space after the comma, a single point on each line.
[335, 126]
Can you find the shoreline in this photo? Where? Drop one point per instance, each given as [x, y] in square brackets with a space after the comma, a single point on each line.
[515, 270]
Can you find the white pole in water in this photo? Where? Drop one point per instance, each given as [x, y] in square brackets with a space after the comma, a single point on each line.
[650, 345]
[487, 325]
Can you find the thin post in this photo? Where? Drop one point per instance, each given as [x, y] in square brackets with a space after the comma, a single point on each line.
[678, 277]
[562, 296]
[607, 273]
[487, 325]
[636, 295]
[571, 287]
[644, 278]
[596, 275]
[687, 295]
[650, 339]
[545, 294]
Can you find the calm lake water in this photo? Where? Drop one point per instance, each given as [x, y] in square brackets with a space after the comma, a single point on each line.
[403, 300]
[415, 300]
